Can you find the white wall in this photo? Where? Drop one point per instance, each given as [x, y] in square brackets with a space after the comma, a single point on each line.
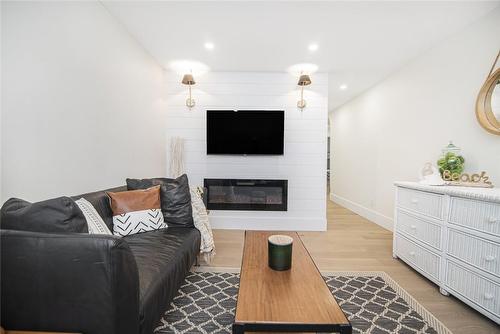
[390, 131]
[304, 161]
[81, 101]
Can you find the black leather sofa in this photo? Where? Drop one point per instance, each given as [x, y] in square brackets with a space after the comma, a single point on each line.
[93, 284]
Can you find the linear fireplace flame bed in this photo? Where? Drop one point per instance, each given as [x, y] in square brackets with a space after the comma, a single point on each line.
[246, 194]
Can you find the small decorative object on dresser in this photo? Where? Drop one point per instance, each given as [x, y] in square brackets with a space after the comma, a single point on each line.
[451, 235]
[481, 180]
[429, 175]
[451, 160]
[451, 165]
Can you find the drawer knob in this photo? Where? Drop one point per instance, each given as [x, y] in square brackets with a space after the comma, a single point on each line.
[493, 220]
[413, 227]
[412, 253]
[488, 296]
[489, 258]
[414, 201]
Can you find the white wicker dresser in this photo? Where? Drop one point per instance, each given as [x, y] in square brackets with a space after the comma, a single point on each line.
[451, 235]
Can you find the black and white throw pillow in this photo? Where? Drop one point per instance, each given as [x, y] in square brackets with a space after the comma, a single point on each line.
[137, 222]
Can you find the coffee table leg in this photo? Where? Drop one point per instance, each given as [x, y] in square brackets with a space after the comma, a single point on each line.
[238, 329]
[345, 329]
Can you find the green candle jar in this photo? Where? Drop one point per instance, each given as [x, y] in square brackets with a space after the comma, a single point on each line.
[280, 252]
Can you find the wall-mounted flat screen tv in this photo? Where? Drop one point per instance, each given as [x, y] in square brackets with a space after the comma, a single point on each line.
[258, 132]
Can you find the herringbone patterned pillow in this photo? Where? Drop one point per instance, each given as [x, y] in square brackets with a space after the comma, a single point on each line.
[138, 222]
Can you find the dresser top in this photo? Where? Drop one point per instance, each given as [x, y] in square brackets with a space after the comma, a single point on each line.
[483, 194]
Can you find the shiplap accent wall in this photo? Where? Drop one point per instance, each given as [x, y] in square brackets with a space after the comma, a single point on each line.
[304, 161]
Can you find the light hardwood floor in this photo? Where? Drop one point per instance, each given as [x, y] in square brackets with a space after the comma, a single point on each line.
[353, 243]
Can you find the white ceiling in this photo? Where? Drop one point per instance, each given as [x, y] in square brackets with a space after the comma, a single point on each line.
[359, 43]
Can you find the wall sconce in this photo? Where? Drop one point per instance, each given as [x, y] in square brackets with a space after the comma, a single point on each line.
[189, 81]
[304, 80]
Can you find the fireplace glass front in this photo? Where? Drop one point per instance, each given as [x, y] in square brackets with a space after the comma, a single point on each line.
[245, 194]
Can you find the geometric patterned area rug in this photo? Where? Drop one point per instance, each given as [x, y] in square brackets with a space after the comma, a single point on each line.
[372, 301]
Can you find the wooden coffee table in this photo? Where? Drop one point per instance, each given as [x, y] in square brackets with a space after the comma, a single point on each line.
[296, 300]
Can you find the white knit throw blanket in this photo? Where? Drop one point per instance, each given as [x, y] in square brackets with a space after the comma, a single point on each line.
[201, 222]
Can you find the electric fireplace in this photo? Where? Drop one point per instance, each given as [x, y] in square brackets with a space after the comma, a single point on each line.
[246, 194]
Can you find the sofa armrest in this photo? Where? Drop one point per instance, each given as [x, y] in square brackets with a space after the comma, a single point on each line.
[69, 283]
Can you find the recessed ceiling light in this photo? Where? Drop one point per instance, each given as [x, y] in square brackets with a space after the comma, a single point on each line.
[343, 87]
[313, 47]
[209, 46]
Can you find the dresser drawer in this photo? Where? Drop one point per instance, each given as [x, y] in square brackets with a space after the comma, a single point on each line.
[479, 290]
[482, 216]
[476, 251]
[419, 229]
[418, 257]
[426, 203]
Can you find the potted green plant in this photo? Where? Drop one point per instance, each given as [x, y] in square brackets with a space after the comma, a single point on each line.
[451, 160]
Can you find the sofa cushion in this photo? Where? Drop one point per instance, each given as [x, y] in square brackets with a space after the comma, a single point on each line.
[163, 259]
[175, 198]
[57, 215]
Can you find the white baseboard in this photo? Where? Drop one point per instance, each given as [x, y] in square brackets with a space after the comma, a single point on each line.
[371, 215]
[268, 223]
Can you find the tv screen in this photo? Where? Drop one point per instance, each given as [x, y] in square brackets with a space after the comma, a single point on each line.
[245, 131]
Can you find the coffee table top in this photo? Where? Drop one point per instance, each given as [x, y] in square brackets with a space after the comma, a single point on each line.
[296, 296]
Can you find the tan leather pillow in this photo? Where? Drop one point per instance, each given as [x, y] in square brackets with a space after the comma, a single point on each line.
[134, 200]
[136, 211]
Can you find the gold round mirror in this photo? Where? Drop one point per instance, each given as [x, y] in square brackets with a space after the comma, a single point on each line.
[488, 103]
